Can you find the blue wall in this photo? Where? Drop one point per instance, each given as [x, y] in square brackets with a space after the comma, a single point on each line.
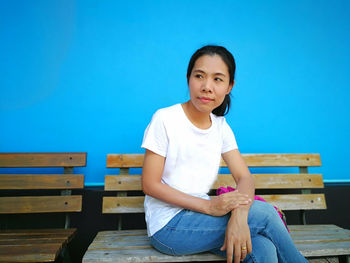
[88, 75]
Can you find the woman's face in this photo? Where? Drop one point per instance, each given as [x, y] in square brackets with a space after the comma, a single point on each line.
[209, 83]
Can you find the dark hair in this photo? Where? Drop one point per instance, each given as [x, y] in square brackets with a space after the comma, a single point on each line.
[229, 60]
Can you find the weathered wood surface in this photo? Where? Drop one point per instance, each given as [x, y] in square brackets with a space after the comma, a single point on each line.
[276, 181]
[134, 246]
[32, 240]
[42, 159]
[134, 204]
[34, 253]
[33, 245]
[40, 204]
[324, 260]
[17, 232]
[262, 181]
[41, 181]
[252, 160]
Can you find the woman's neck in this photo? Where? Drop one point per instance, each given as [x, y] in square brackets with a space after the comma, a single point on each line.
[199, 119]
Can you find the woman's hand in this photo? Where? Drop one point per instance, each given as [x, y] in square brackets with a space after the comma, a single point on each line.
[237, 239]
[224, 203]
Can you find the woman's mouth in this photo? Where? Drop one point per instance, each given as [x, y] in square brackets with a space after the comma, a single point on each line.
[205, 99]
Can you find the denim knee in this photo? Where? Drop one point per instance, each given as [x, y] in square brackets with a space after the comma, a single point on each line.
[261, 210]
[264, 251]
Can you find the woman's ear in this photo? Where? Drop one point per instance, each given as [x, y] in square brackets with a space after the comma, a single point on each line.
[230, 87]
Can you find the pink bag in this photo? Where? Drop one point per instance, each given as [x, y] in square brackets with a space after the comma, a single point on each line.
[223, 190]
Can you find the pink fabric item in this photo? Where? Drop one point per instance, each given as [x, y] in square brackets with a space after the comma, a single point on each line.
[223, 190]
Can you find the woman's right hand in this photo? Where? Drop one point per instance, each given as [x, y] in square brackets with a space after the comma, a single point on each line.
[224, 203]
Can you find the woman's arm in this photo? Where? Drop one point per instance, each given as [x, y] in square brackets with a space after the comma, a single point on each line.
[241, 173]
[151, 185]
[237, 233]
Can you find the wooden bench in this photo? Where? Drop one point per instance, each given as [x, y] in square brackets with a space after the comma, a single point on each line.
[23, 194]
[320, 243]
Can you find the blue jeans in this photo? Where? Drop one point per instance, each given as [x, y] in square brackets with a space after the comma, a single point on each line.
[191, 232]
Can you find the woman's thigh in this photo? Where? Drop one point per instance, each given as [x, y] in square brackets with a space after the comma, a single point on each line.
[191, 232]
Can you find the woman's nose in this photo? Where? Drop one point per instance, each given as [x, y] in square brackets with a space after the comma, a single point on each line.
[207, 86]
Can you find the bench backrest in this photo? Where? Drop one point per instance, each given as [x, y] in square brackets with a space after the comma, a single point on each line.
[36, 203]
[301, 183]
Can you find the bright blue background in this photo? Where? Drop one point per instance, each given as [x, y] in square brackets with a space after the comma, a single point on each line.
[88, 75]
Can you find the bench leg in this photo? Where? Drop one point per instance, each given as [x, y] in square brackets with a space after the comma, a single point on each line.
[65, 256]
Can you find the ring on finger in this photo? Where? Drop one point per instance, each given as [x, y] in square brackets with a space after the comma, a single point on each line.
[243, 248]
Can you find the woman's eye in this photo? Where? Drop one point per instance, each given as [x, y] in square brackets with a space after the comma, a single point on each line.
[218, 79]
[199, 76]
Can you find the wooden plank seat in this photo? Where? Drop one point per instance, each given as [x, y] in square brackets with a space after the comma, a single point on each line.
[289, 191]
[23, 194]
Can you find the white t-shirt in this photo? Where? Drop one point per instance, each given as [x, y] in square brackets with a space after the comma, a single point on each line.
[192, 158]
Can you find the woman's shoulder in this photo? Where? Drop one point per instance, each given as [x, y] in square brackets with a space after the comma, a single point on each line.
[218, 119]
[168, 111]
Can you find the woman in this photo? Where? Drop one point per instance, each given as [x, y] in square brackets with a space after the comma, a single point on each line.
[184, 144]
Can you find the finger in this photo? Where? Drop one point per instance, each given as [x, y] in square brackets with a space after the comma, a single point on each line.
[243, 198]
[237, 252]
[229, 251]
[249, 246]
[235, 204]
[244, 202]
[243, 251]
[232, 206]
[223, 246]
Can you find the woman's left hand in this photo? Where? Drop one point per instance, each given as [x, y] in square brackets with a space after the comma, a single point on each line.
[237, 239]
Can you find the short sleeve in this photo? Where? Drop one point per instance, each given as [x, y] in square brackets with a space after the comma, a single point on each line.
[229, 140]
[155, 137]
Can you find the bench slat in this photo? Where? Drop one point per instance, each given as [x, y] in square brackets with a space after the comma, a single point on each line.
[276, 181]
[262, 181]
[252, 160]
[40, 204]
[296, 230]
[142, 255]
[121, 233]
[118, 238]
[41, 181]
[23, 236]
[134, 204]
[325, 248]
[42, 159]
[302, 228]
[27, 236]
[282, 160]
[30, 241]
[33, 253]
[17, 232]
[297, 202]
